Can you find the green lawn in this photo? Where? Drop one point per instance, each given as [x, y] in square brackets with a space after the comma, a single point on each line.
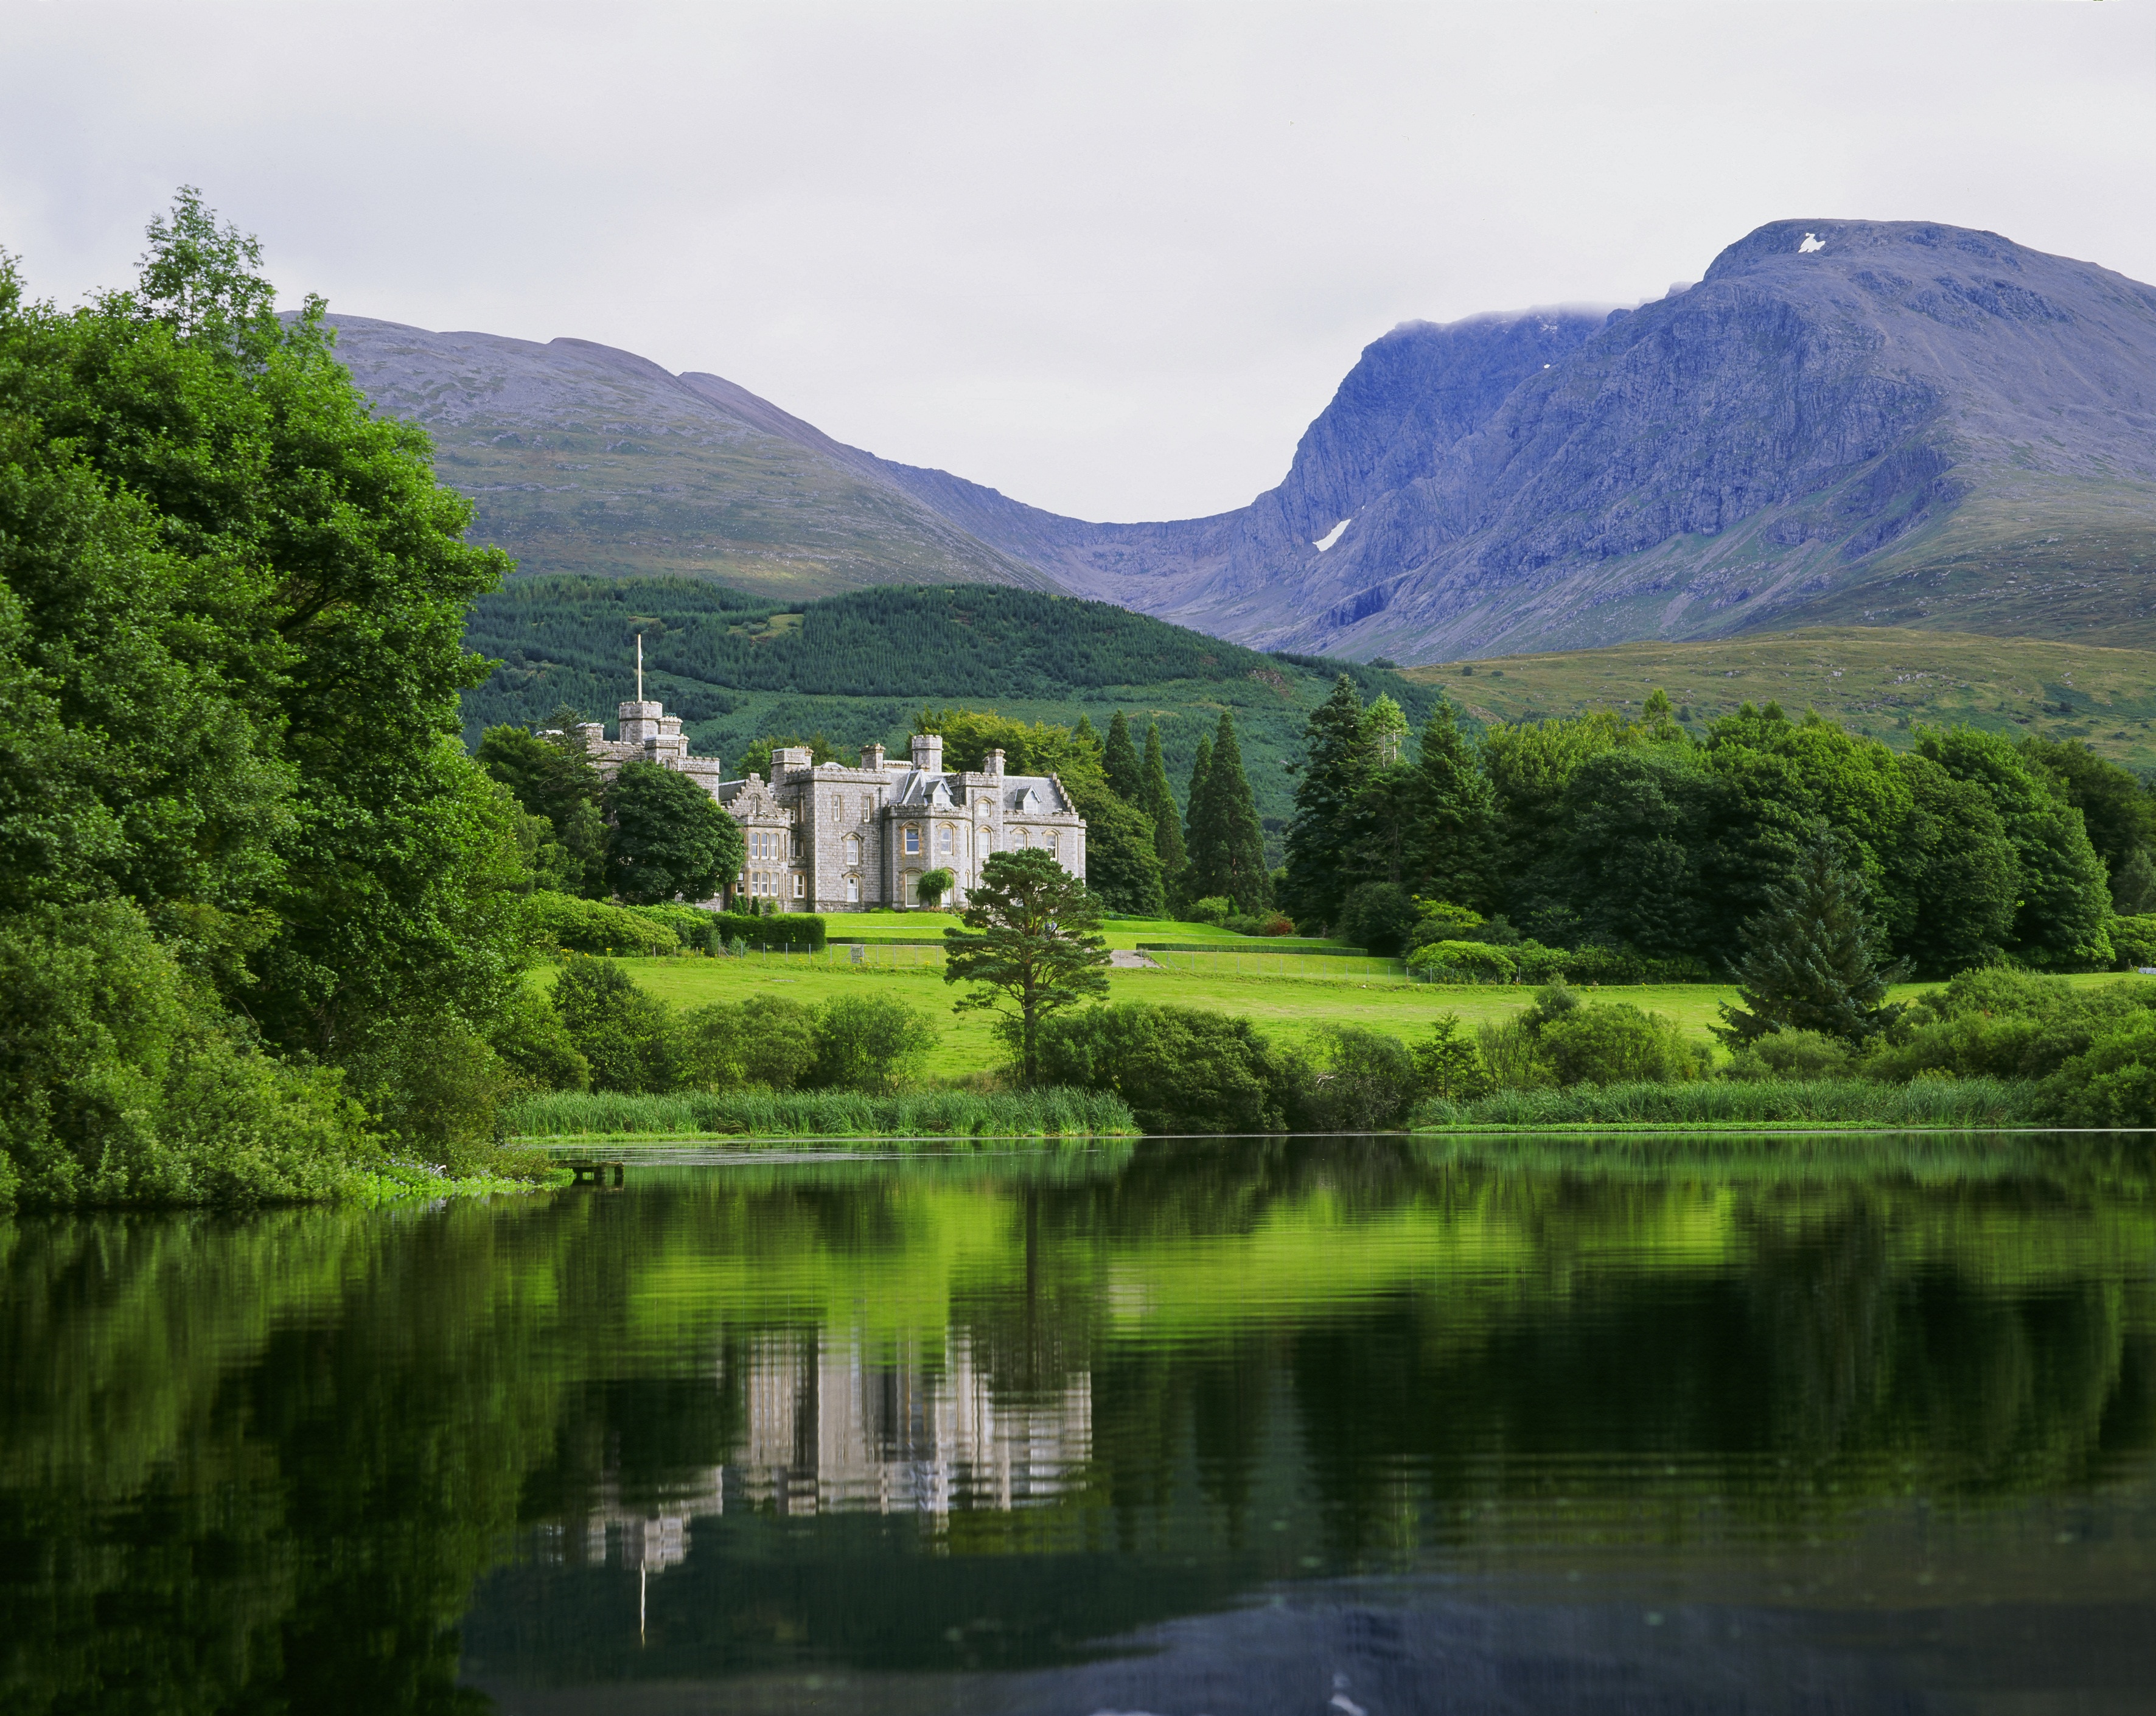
[1293, 1008]
[1119, 932]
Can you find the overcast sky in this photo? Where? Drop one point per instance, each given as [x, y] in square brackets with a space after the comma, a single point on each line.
[1110, 259]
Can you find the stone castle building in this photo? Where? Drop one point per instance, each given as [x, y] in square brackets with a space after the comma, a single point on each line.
[827, 837]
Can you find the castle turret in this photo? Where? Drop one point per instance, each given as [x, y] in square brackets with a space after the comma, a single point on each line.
[928, 752]
[639, 720]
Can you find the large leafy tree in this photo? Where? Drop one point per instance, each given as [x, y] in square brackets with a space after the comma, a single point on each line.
[1809, 958]
[1227, 845]
[1953, 873]
[667, 839]
[2064, 893]
[232, 621]
[1029, 947]
[2117, 807]
[552, 776]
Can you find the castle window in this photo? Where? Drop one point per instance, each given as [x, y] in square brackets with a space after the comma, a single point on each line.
[853, 890]
[853, 849]
[800, 886]
[943, 841]
[1051, 843]
[913, 843]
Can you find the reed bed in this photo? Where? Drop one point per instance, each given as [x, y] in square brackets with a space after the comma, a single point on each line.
[1719, 1103]
[795, 1114]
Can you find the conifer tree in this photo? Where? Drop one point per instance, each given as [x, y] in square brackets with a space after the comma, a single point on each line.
[1227, 845]
[1119, 758]
[1807, 961]
[1335, 769]
[1159, 804]
[1201, 767]
[1454, 815]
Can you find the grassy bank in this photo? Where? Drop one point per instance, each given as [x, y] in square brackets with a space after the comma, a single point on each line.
[1716, 1102]
[565, 1114]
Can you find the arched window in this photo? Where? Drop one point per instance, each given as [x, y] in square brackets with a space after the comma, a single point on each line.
[943, 841]
[853, 849]
[1051, 843]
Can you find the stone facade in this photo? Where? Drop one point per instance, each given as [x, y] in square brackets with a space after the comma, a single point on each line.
[828, 837]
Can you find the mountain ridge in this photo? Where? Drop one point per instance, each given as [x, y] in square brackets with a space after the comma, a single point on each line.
[1841, 422]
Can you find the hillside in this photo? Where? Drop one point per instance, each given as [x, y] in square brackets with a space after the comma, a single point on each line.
[858, 667]
[1843, 422]
[1880, 680]
[582, 459]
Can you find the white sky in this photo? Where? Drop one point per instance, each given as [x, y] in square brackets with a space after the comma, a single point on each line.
[1110, 259]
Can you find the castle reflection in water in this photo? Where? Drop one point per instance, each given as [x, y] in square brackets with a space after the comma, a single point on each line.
[832, 1426]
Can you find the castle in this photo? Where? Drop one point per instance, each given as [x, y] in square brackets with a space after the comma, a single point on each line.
[825, 837]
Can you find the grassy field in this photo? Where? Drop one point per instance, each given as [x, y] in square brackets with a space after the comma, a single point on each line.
[1293, 1008]
[1118, 933]
[1873, 680]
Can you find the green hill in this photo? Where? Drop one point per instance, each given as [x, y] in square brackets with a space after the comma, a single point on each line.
[1874, 679]
[857, 667]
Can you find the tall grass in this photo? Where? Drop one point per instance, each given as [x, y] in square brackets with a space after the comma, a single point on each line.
[793, 1114]
[1824, 1102]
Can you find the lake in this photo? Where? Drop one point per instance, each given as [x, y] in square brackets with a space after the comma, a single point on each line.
[1340, 1424]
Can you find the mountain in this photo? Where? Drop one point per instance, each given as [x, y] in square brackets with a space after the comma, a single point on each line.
[1843, 422]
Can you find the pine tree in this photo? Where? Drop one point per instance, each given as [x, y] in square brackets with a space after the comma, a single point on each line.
[1120, 760]
[1201, 768]
[1159, 804]
[1335, 769]
[1807, 961]
[1227, 845]
[1454, 816]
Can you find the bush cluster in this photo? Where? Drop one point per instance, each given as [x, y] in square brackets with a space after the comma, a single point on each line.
[603, 1033]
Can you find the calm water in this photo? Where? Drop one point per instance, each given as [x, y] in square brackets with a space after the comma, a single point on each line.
[1306, 1425]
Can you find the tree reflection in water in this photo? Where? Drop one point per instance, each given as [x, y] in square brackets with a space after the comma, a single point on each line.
[994, 1414]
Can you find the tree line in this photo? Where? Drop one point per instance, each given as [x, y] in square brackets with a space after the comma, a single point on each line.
[1598, 831]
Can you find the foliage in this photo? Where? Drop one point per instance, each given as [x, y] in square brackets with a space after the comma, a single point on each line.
[231, 600]
[563, 924]
[1449, 1065]
[1335, 766]
[1455, 827]
[1027, 946]
[2133, 939]
[1215, 909]
[1464, 962]
[929, 892]
[624, 1035]
[1613, 1042]
[1181, 1069]
[2134, 885]
[1158, 801]
[1046, 1111]
[1119, 762]
[121, 1083]
[667, 839]
[1791, 1054]
[1715, 1102]
[552, 776]
[1807, 961]
[2111, 1083]
[872, 1043]
[1226, 847]
[773, 1043]
[2001, 1023]
[1379, 915]
[1362, 1080]
[536, 1045]
[808, 930]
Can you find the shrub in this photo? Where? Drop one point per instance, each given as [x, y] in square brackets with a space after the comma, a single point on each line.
[782, 929]
[121, 1082]
[622, 1033]
[1507, 1052]
[2113, 1083]
[1441, 921]
[873, 1043]
[434, 1087]
[1362, 1080]
[563, 923]
[1270, 924]
[770, 1043]
[1788, 1054]
[1181, 1069]
[1613, 1042]
[537, 1047]
[1214, 909]
[1379, 915]
[2133, 939]
[1464, 962]
[2000, 1023]
[1448, 1065]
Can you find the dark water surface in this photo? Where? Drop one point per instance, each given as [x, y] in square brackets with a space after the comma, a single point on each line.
[1304, 1425]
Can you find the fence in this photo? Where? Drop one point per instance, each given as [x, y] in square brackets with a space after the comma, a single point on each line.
[1362, 968]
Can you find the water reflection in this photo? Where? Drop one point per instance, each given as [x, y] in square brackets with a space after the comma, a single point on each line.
[1190, 1426]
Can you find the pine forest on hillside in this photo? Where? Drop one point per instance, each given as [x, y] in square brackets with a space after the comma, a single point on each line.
[857, 669]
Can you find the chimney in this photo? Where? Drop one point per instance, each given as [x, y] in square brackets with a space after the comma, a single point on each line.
[993, 763]
[928, 752]
[872, 758]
